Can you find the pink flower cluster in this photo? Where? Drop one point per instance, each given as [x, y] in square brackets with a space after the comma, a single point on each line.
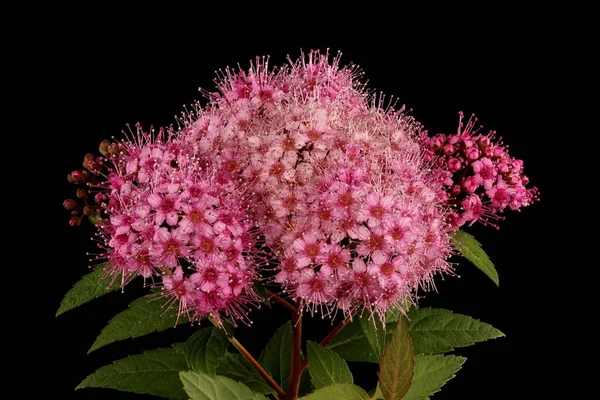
[340, 191]
[165, 218]
[302, 166]
[481, 177]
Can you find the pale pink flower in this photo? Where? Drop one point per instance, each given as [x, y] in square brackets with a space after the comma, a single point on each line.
[376, 210]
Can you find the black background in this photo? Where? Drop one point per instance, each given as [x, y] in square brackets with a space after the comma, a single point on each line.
[106, 68]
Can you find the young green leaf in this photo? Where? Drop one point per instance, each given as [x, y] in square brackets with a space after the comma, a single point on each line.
[325, 366]
[144, 315]
[237, 367]
[276, 357]
[431, 373]
[205, 349]
[338, 391]
[397, 364]
[199, 386]
[472, 251]
[154, 372]
[437, 330]
[91, 286]
[375, 333]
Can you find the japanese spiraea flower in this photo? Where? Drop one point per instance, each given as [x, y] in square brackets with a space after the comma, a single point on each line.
[298, 176]
[163, 216]
[482, 179]
[341, 193]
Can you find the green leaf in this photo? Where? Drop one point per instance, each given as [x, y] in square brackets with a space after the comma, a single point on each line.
[351, 342]
[144, 315]
[375, 333]
[431, 373]
[437, 330]
[325, 366]
[276, 357]
[205, 349]
[237, 367]
[397, 364]
[154, 372]
[472, 251]
[338, 391]
[352, 345]
[200, 386]
[91, 286]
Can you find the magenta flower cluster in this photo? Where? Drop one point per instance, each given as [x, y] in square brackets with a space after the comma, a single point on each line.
[482, 179]
[298, 177]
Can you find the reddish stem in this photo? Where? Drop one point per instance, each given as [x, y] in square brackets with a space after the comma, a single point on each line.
[336, 330]
[283, 302]
[258, 367]
[296, 367]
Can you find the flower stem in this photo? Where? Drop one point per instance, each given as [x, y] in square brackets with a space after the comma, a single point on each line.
[240, 347]
[283, 302]
[280, 393]
[296, 363]
[336, 330]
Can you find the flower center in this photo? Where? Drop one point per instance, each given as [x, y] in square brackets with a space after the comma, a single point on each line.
[276, 169]
[207, 245]
[290, 202]
[313, 135]
[377, 211]
[312, 250]
[375, 242]
[334, 261]
[387, 268]
[197, 216]
[346, 200]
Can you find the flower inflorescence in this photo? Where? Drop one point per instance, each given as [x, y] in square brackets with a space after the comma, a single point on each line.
[301, 168]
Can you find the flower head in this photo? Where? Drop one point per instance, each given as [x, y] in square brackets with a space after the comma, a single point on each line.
[165, 217]
[482, 179]
[339, 185]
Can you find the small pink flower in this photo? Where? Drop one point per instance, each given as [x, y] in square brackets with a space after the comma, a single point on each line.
[308, 248]
[334, 259]
[315, 287]
[170, 246]
[454, 164]
[485, 171]
[376, 209]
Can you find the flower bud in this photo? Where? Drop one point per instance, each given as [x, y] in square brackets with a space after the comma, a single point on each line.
[472, 153]
[454, 164]
[100, 197]
[88, 161]
[81, 193]
[103, 147]
[512, 179]
[456, 189]
[483, 142]
[114, 148]
[70, 204]
[74, 221]
[76, 177]
[88, 210]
